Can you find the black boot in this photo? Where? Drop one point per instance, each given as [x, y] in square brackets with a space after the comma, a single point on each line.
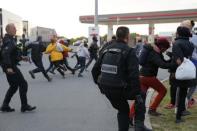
[131, 122]
[179, 121]
[154, 113]
[73, 71]
[7, 109]
[185, 113]
[147, 129]
[52, 72]
[140, 113]
[27, 108]
[142, 128]
[80, 75]
[49, 79]
[32, 74]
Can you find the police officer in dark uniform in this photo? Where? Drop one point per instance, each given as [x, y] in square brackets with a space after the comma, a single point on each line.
[117, 74]
[107, 44]
[37, 48]
[93, 49]
[10, 58]
[23, 41]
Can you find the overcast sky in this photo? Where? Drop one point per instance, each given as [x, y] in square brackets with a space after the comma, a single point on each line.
[63, 15]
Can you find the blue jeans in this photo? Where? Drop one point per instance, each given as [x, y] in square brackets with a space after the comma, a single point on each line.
[82, 64]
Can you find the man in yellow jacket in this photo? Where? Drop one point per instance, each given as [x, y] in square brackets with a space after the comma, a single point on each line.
[55, 50]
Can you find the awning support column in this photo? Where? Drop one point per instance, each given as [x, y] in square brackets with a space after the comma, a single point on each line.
[110, 32]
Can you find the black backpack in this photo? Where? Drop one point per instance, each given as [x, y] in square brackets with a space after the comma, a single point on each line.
[113, 67]
[0, 56]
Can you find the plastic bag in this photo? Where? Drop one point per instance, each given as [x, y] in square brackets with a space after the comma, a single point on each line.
[186, 71]
[59, 47]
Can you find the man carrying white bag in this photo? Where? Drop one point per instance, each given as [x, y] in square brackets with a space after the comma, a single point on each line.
[186, 71]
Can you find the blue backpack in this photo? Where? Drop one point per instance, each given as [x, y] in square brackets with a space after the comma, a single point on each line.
[143, 55]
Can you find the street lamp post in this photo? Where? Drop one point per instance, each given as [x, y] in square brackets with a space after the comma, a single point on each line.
[96, 14]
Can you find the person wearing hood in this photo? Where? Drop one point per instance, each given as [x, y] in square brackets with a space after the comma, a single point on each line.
[188, 23]
[23, 41]
[148, 73]
[172, 81]
[93, 49]
[182, 48]
[37, 48]
[82, 53]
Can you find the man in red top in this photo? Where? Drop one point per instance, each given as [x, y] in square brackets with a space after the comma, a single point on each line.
[65, 55]
[148, 73]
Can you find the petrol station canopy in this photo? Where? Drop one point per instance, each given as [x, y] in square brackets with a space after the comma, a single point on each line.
[172, 16]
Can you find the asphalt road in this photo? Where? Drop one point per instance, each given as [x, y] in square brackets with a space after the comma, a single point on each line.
[70, 104]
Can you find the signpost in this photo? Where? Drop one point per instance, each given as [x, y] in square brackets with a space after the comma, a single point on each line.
[93, 31]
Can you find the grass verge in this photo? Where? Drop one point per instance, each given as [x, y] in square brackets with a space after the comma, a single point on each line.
[166, 122]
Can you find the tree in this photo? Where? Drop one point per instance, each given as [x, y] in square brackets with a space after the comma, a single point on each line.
[72, 40]
[104, 37]
[133, 35]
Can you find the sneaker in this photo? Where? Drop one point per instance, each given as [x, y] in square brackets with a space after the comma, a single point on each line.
[7, 109]
[142, 128]
[178, 121]
[147, 129]
[169, 106]
[153, 113]
[131, 122]
[49, 79]
[73, 71]
[186, 113]
[86, 68]
[191, 103]
[52, 72]
[32, 74]
[27, 108]
[63, 76]
[193, 100]
[64, 67]
[80, 75]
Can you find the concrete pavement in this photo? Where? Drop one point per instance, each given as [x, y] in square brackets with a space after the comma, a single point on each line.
[70, 104]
